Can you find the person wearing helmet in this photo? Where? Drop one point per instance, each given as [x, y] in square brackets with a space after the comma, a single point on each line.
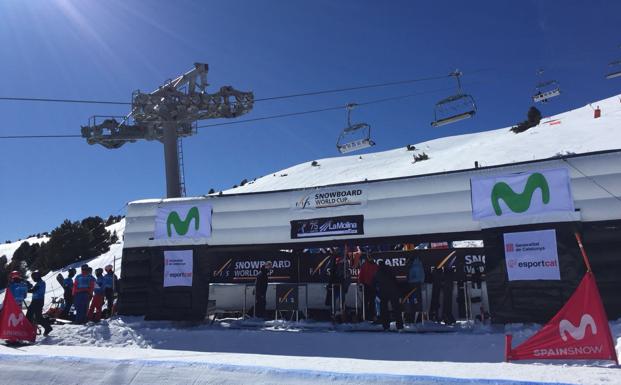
[19, 287]
[110, 288]
[83, 286]
[68, 293]
[34, 313]
[94, 311]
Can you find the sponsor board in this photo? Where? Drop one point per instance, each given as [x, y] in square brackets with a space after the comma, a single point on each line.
[287, 297]
[579, 330]
[329, 198]
[323, 227]
[316, 267]
[229, 268]
[521, 194]
[178, 268]
[531, 255]
[174, 221]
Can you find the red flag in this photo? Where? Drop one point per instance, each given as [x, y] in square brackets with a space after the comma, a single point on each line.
[579, 330]
[14, 326]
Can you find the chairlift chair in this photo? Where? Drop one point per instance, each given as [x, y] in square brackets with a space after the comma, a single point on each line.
[454, 108]
[546, 90]
[354, 137]
[616, 69]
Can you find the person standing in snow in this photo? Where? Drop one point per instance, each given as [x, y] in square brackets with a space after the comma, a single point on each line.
[19, 288]
[83, 286]
[260, 290]
[110, 289]
[388, 293]
[367, 278]
[416, 279]
[94, 311]
[68, 293]
[35, 310]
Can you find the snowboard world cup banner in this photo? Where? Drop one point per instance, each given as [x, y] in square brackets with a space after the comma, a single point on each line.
[178, 268]
[183, 220]
[522, 194]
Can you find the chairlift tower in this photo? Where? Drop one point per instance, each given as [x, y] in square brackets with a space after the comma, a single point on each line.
[167, 115]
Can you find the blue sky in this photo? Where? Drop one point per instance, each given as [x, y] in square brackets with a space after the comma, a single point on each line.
[106, 49]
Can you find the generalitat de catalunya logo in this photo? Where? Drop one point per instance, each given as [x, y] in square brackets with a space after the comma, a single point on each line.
[519, 203]
[577, 333]
[182, 226]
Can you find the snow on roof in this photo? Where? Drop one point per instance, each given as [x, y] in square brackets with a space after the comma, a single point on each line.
[572, 132]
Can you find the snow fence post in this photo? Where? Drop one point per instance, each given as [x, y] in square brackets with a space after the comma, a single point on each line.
[508, 340]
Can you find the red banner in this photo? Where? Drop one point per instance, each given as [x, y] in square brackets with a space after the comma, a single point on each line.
[14, 326]
[579, 330]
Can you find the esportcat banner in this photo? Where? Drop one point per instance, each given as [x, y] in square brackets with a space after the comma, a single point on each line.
[521, 194]
[178, 268]
[532, 255]
[183, 220]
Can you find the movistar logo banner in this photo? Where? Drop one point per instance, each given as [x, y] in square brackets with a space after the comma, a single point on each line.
[188, 220]
[182, 226]
[523, 194]
[518, 203]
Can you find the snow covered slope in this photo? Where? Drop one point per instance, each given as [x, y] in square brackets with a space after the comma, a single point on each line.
[53, 289]
[570, 132]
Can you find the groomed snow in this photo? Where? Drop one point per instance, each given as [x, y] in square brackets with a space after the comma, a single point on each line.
[129, 350]
[572, 132]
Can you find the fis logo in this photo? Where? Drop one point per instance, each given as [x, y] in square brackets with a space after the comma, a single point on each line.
[519, 203]
[577, 333]
[285, 297]
[218, 273]
[15, 320]
[303, 203]
[317, 269]
[182, 226]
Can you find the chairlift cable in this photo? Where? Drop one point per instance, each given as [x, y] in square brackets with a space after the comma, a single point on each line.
[268, 117]
[279, 97]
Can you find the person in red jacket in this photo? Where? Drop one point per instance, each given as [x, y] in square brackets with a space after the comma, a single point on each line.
[94, 311]
[367, 278]
[83, 286]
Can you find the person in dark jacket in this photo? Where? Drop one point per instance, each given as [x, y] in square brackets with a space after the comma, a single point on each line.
[68, 293]
[111, 287]
[94, 311]
[35, 309]
[367, 278]
[83, 286]
[260, 289]
[388, 293]
[416, 278]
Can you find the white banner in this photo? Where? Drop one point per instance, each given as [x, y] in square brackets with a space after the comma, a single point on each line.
[178, 268]
[179, 220]
[329, 198]
[522, 194]
[532, 255]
